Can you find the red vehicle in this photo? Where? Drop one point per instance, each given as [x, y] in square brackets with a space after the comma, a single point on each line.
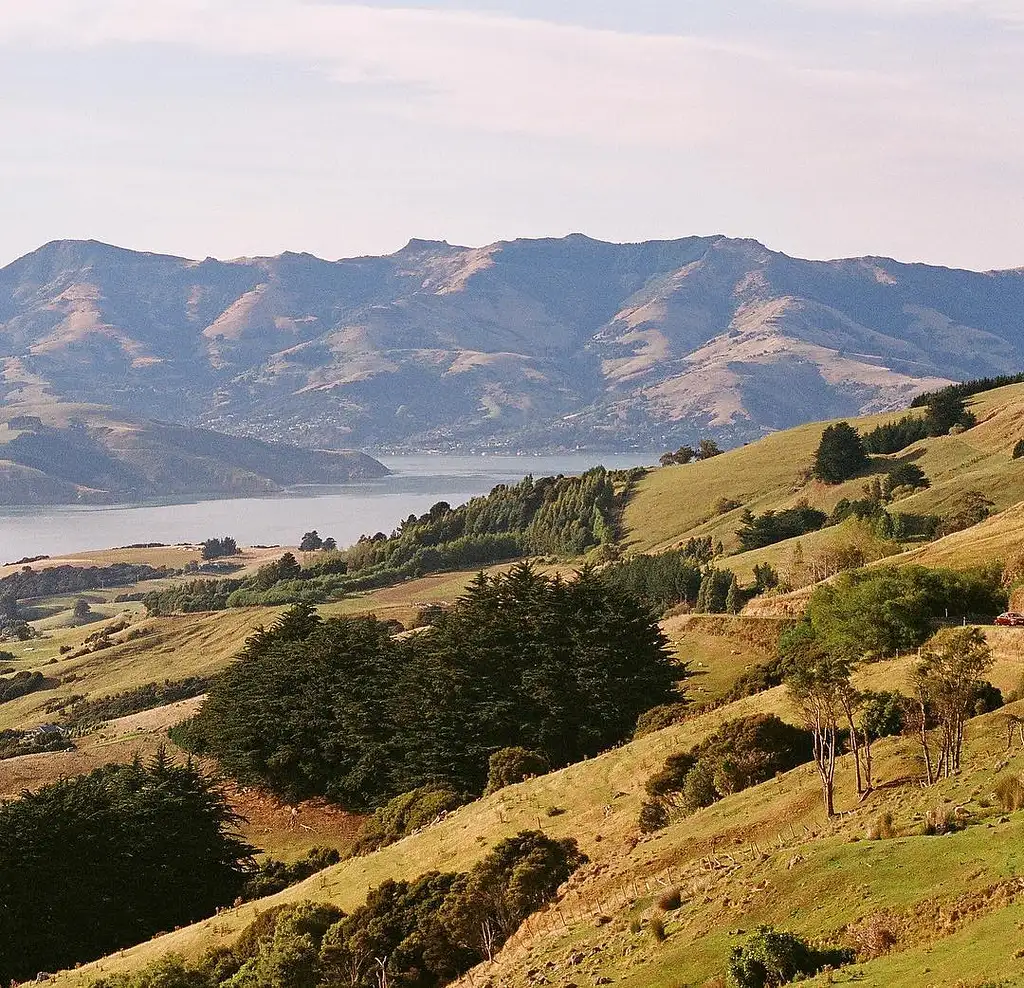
[1010, 619]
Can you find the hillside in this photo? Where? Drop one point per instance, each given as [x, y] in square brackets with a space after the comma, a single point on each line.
[56, 453]
[529, 344]
[764, 855]
[921, 909]
[676, 503]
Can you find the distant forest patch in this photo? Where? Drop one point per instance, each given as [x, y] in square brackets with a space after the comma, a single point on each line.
[560, 516]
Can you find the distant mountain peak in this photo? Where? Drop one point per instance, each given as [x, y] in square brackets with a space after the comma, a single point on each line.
[525, 344]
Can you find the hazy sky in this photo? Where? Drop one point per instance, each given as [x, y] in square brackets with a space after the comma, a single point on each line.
[229, 127]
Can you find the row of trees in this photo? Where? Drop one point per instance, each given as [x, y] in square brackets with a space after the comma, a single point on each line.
[558, 515]
[60, 580]
[843, 452]
[219, 548]
[311, 542]
[341, 708]
[705, 450]
[871, 614]
[945, 684]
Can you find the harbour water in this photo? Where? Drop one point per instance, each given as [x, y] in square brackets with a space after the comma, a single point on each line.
[345, 513]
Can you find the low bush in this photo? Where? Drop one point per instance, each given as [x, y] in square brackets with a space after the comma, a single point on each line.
[741, 753]
[1009, 791]
[654, 815]
[769, 958]
[757, 678]
[939, 821]
[510, 766]
[14, 743]
[405, 814]
[23, 683]
[85, 712]
[758, 531]
[275, 876]
[420, 934]
[660, 717]
[873, 937]
[671, 898]
[656, 925]
[882, 828]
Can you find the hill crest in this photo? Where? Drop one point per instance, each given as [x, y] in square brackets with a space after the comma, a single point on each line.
[552, 343]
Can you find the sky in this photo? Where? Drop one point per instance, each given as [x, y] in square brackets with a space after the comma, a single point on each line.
[822, 128]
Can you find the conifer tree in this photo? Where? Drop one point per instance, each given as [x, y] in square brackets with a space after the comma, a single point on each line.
[840, 454]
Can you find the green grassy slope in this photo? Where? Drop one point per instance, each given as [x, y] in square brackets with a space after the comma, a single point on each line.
[764, 855]
[767, 855]
[676, 503]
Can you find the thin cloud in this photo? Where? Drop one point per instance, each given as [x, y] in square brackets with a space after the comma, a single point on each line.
[503, 74]
[893, 129]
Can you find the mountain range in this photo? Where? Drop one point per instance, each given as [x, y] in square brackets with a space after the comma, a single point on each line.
[531, 344]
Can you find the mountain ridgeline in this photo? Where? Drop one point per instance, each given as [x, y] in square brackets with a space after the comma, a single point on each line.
[528, 343]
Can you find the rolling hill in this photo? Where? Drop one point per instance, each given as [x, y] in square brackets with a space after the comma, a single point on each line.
[923, 909]
[676, 503]
[56, 453]
[547, 343]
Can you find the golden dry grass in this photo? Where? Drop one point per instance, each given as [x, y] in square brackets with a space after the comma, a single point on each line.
[764, 855]
[673, 504]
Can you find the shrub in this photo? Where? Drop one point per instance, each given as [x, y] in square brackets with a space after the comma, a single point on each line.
[969, 509]
[904, 474]
[657, 927]
[662, 580]
[938, 821]
[84, 712]
[406, 813]
[759, 677]
[23, 683]
[985, 699]
[882, 828]
[1010, 792]
[699, 788]
[740, 754]
[274, 876]
[885, 609]
[874, 937]
[769, 958]
[653, 816]
[670, 899]
[520, 875]
[660, 717]
[672, 775]
[509, 766]
[884, 714]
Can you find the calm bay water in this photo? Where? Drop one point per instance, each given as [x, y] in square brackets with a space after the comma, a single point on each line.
[345, 513]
